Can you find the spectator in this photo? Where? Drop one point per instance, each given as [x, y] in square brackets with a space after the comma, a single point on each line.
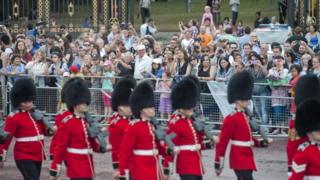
[207, 15]
[194, 65]
[206, 72]
[168, 61]
[142, 63]
[107, 86]
[66, 51]
[85, 68]
[245, 38]
[297, 36]
[306, 63]
[75, 72]
[21, 49]
[157, 70]
[115, 29]
[287, 46]
[274, 21]
[295, 76]
[164, 86]
[38, 67]
[255, 43]
[205, 38]
[100, 44]
[290, 58]
[259, 73]
[264, 48]
[313, 38]
[193, 27]
[316, 65]
[215, 9]
[157, 51]
[224, 71]
[46, 48]
[30, 45]
[276, 51]
[240, 29]
[102, 33]
[226, 23]
[258, 20]
[58, 67]
[65, 34]
[234, 4]
[125, 65]
[245, 53]
[145, 10]
[148, 28]
[187, 42]
[277, 78]
[228, 36]
[96, 70]
[16, 67]
[6, 45]
[79, 59]
[182, 66]
[129, 39]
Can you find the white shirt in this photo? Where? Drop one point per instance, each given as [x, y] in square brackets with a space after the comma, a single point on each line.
[142, 65]
[144, 3]
[143, 30]
[185, 44]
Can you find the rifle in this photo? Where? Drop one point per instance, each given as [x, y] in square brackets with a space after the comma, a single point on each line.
[3, 135]
[44, 117]
[255, 126]
[95, 132]
[199, 122]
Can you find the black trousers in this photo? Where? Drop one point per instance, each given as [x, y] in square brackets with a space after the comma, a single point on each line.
[29, 169]
[190, 177]
[145, 13]
[244, 174]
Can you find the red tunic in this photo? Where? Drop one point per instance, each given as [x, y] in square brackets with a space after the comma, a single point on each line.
[140, 137]
[236, 128]
[58, 120]
[72, 134]
[306, 162]
[117, 127]
[294, 141]
[29, 135]
[187, 161]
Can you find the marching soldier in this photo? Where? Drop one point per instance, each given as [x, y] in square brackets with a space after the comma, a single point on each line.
[74, 142]
[27, 131]
[61, 115]
[306, 161]
[188, 140]
[139, 152]
[236, 129]
[119, 122]
[308, 86]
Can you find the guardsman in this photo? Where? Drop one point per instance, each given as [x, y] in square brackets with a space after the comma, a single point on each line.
[119, 121]
[187, 139]
[236, 130]
[28, 132]
[61, 115]
[308, 86]
[74, 144]
[139, 152]
[306, 161]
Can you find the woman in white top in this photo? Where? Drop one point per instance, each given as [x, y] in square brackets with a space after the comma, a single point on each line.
[37, 67]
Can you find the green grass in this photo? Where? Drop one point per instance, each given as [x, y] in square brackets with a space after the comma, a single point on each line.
[167, 14]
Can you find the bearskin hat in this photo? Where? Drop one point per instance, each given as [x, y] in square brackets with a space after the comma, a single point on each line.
[196, 81]
[307, 117]
[23, 90]
[141, 97]
[185, 94]
[76, 92]
[307, 87]
[240, 87]
[122, 92]
[65, 86]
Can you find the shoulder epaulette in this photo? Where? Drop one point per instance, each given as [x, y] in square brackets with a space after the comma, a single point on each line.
[303, 146]
[174, 119]
[66, 119]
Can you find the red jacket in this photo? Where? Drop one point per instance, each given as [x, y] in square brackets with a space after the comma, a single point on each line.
[187, 161]
[29, 135]
[58, 120]
[236, 128]
[139, 152]
[293, 143]
[72, 136]
[117, 127]
[306, 162]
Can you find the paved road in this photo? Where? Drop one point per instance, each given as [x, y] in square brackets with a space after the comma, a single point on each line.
[271, 164]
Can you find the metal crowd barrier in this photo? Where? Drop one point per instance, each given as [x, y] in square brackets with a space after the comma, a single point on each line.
[47, 99]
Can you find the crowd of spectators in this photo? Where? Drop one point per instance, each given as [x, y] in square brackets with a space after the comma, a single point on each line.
[208, 51]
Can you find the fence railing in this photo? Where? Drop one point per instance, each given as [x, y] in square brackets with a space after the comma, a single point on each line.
[47, 99]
